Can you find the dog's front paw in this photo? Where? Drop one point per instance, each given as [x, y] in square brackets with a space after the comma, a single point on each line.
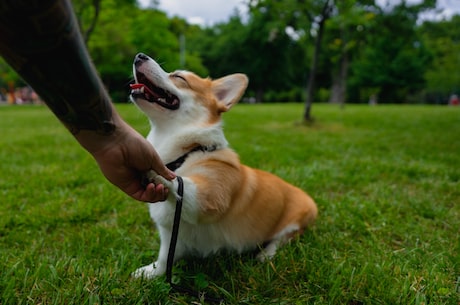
[149, 271]
[170, 185]
[152, 176]
[157, 179]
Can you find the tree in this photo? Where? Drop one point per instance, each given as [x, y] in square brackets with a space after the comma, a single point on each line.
[302, 17]
[271, 56]
[88, 12]
[318, 21]
[307, 17]
[443, 40]
[344, 35]
[188, 57]
[261, 48]
[391, 66]
[220, 47]
[111, 52]
[124, 30]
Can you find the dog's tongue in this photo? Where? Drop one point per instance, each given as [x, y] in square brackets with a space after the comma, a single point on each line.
[142, 89]
[136, 86]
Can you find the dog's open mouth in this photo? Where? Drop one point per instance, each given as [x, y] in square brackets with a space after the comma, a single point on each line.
[146, 90]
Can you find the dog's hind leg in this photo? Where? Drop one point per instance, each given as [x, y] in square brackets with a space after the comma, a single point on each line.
[268, 251]
[278, 240]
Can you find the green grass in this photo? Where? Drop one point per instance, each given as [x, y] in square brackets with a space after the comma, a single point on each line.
[386, 180]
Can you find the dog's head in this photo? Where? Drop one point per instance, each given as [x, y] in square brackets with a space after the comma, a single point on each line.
[163, 96]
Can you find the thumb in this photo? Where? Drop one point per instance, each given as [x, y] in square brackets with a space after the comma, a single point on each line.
[165, 172]
[158, 166]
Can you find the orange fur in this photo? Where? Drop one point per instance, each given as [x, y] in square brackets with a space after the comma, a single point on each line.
[259, 203]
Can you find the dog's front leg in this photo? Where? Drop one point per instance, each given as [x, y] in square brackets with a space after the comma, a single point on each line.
[158, 268]
[190, 205]
[148, 271]
[152, 270]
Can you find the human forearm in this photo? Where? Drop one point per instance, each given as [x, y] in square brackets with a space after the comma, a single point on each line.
[41, 40]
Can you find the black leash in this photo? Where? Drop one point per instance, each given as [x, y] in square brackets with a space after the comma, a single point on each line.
[172, 250]
[175, 230]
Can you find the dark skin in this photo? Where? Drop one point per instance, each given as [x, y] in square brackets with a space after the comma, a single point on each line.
[41, 41]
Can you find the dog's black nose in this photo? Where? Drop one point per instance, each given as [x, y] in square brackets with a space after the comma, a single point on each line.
[140, 58]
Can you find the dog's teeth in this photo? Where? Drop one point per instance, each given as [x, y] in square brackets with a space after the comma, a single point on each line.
[161, 99]
[137, 90]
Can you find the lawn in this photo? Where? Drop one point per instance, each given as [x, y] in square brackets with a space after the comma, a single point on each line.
[386, 180]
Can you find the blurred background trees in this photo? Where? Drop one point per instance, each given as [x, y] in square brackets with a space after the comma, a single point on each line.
[347, 51]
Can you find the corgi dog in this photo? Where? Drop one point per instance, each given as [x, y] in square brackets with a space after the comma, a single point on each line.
[226, 205]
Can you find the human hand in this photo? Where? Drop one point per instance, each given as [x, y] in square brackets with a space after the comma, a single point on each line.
[126, 158]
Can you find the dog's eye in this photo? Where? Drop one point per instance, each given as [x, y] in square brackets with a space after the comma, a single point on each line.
[178, 76]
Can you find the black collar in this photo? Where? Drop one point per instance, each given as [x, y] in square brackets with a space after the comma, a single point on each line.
[174, 165]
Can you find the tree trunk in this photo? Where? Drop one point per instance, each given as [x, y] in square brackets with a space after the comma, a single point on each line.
[307, 117]
[339, 85]
[312, 77]
[80, 10]
[259, 95]
[339, 77]
[91, 27]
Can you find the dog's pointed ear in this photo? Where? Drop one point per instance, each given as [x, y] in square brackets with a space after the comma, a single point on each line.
[229, 89]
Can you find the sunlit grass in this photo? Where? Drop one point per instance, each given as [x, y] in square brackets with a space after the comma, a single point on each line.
[386, 180]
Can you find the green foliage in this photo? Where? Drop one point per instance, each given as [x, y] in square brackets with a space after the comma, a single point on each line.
[111, 49]
[345, 35]
[393, 63]
[88, 12]
[443, 39]
[125, 30]
[121, 30]
[221, 47]
[367, 49]
[190, 34]
[7, 75]
[384, 179]
[259, 48]
[149, 33]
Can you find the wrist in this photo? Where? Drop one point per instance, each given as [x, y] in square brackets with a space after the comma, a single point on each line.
[98, 140]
